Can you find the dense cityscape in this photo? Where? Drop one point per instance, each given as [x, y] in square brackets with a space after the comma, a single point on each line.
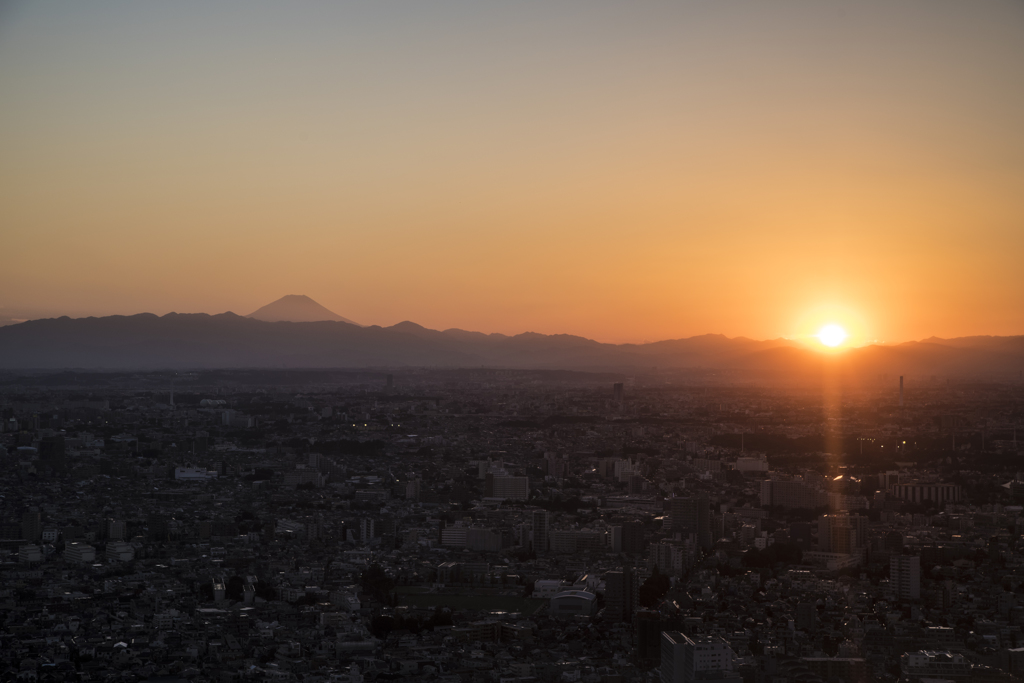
[508, 526]
[512, 342]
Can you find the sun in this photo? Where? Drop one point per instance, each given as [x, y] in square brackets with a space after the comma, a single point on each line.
[832, 335]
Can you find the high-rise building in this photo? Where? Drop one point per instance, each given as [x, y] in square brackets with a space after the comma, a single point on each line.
[888, 479]
[633, 538]
[507, 487]
[117, 529]
[936, 493]
[619, 595]
[806, 617]
[455, 536]
[79, 553]
[413, 488]
[119, 551]
[842, 533]
[905, 576]
[617, 392]
[648, 625]
[32, 526]
[606, 467]
[636, 485]
[685, 659]
[556, 467]
[366, 530]
[541, 531]
[157, 527]
[692, 516]
[30, 553]
[673, 557]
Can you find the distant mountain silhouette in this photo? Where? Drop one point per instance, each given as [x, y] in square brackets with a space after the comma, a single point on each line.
[147, 341]
[297, 308]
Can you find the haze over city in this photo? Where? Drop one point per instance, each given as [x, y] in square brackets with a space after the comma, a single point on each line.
[625, 173]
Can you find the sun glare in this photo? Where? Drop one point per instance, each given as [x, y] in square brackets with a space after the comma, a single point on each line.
[832, 335]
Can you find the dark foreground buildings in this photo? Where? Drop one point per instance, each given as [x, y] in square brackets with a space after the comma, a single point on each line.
[486, 525]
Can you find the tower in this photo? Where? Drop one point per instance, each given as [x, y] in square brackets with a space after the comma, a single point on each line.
[541, 531]
[366, 530]
[633, 538]
[648, 625]
[905, 576]
[619, 595]
[687, 659]
[32, 526]
[901, 391]
[842, 533]
[692, 516]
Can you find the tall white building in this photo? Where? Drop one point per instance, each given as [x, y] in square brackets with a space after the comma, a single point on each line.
[685, 659]
[119, 551]
[30, 553]
[194, 474]
[905, 576]
[366, 529]
[455, 535]
[82, 553]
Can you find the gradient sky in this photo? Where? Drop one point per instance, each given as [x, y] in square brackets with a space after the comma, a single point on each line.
[624, 171]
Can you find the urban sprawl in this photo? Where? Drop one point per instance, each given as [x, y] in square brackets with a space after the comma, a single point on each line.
[478, 526]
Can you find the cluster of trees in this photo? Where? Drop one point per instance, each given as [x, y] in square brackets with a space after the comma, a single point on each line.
[784, 552]
[654, 589]
[383, 624]
[376, 583]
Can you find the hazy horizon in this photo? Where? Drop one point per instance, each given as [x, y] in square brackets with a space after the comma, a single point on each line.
[809, 339]
[622, 172]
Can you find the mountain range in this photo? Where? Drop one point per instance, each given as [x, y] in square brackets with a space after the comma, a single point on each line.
[227, 340]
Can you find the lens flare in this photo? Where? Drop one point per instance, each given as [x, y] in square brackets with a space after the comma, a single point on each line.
[831, 335]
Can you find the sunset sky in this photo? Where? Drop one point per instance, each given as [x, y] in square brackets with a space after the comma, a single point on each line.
[624, 171]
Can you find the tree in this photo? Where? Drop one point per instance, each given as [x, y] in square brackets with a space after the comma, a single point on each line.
[376, 583]
[784, 552]
[654, 588]
[381, 625]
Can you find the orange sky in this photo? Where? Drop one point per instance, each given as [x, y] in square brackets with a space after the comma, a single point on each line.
[627, 171]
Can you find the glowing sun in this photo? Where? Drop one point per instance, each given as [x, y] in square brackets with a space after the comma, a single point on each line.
[831, 335]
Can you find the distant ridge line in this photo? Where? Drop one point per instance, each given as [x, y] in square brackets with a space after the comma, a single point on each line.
[227, 340]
